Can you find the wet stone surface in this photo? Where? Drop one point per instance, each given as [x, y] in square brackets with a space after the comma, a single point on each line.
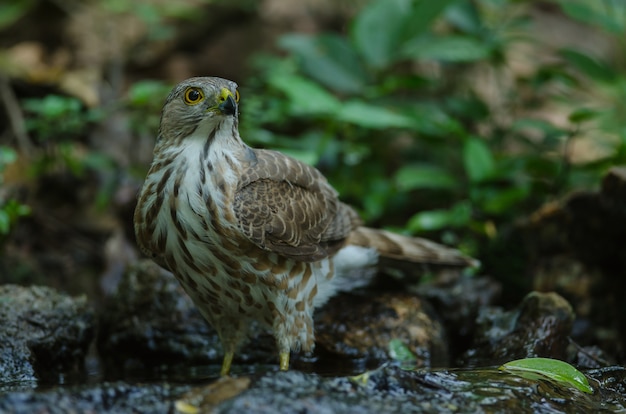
[576, 248]
[169, 357]
[393, 390]
[361, 328]
[149, 319]
[385, 390]
[103, 398]
[457, 301]
[538, 327]
[43, 333]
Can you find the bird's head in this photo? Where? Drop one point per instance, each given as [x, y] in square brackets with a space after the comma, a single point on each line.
[199, 105]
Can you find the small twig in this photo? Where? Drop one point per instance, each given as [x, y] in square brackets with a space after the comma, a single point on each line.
[15, 116]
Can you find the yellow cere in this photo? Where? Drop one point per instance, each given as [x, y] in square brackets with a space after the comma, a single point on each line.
[225, 93]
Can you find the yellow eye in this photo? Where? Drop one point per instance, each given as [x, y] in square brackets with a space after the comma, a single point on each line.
[193, 96]
[236, 96]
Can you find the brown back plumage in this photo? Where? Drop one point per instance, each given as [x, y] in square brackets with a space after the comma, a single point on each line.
[288, 207]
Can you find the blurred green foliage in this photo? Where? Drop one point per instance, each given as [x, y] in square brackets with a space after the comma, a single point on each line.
[57, 117]
[10, 209]
[394, 114]
[11, 11]
[58, 123]
[398, 108]
[143, 104]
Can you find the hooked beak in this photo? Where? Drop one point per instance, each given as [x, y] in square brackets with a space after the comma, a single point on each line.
[229, 106]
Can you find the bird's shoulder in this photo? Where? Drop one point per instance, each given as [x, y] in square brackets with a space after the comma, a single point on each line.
[274, 166]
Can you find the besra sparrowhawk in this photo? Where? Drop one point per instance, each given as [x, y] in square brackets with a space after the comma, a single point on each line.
[252, 234]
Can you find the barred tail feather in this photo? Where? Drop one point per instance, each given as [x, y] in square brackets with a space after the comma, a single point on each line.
[407, 253]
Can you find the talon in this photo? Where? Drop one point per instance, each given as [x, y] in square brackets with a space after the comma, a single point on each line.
[284, 361]
[228, 359]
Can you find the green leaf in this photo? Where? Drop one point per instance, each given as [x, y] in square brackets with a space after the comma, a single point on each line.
[376, 30]
[449, 48]
[7, 156]
[478, 160]
[554, 369]
[418, 176]
[384, 26]
[372, 116]
[464, 16]
[328, 59]
[305, 97]
[400, 352]
[607, 14]
[147, 92]
[501, 200]
[538, 125]
[459, 215]
[12, 11]
[583, 115]
[423, 14]
[5, 221]
[591, 67]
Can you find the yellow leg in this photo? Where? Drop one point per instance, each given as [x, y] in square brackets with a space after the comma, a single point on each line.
[228, 359]
[284, 361]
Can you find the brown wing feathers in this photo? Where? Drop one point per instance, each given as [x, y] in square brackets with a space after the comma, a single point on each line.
[289, 208]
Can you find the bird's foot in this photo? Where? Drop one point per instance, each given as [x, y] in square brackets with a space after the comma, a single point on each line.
[228, 359]
[284, 361]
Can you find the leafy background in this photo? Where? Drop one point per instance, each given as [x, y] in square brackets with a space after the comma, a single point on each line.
[453, 120]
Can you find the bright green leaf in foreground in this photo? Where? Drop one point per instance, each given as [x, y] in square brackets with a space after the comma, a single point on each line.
[552, 368]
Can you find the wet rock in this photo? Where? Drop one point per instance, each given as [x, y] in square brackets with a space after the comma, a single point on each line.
[103, 398]
[358, 329]
[457, 301]
[577, 247]
[589, 357]
[538, 327]
[386, 390]
[43, 333]
[150, 321]
[393, 390]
